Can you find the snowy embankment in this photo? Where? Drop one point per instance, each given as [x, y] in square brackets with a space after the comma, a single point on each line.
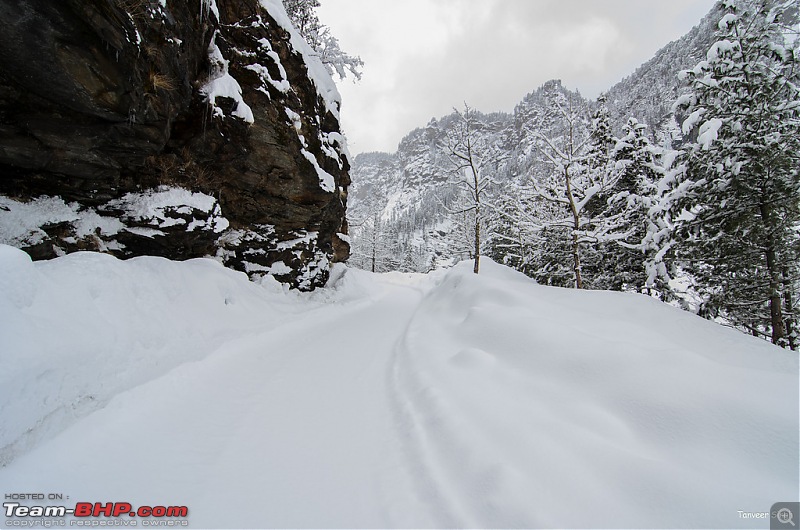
[384, 400]
[76, 331]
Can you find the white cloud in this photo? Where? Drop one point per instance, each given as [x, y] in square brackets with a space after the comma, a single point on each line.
[424, 57]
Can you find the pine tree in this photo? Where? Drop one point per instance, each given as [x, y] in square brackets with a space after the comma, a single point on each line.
[601, 141]
[512, 243]
[634, 159]
[599, 162]
[737, 200]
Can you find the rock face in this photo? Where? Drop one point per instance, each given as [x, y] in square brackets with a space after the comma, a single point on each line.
[178, 128]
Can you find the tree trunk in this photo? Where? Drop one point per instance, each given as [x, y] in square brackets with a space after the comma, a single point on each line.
[576, 260]
[477, 243]
[776, 316]
[576, 224]
[787, 298]
[476, 183]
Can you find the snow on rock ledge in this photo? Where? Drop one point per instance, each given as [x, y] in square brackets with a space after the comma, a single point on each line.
[317, 73]
[222, 85]
[165, 221]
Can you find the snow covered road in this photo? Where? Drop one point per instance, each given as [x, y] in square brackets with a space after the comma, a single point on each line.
[292, 423]
[445, 400]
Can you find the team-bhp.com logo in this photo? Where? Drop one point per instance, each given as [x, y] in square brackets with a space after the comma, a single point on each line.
[88, 509]
[95, 510]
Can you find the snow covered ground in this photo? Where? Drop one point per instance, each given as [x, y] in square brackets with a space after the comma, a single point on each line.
[395, 400]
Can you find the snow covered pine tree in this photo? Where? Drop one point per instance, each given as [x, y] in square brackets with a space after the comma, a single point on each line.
[634, 159]
[736, 204]
[576, 179]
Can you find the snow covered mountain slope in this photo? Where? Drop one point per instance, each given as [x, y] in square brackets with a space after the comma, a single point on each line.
[649, 92]
[407, 187]
[446, 400]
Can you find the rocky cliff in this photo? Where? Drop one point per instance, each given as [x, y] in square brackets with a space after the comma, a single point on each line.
[174, 128]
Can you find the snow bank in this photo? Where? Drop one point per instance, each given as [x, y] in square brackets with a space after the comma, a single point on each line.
[395, 400]
[78, 330]
[539, 407]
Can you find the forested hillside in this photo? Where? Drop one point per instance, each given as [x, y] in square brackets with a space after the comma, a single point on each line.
[680, 182]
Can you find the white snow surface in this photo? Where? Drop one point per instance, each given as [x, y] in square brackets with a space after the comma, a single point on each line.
[21, 222]
[222, 83]
[326, 180]
[394, 400]
[156, 205]
[324, 83]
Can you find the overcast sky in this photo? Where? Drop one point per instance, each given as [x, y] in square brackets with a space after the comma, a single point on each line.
[424, 57]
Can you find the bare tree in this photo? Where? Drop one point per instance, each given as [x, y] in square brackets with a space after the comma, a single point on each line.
[372, 243]
[474, 157]
[304, 17]
[572, 182]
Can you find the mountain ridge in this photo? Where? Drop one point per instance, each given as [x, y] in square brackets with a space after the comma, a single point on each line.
[405, 185]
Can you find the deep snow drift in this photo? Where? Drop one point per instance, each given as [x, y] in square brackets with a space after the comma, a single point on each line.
[393, 400]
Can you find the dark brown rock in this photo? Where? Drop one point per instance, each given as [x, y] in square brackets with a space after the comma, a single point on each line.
[104, 104]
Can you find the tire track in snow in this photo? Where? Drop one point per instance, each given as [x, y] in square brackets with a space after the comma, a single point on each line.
[446, 473]
[430, 487]
[446, 450]
[276, 417]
